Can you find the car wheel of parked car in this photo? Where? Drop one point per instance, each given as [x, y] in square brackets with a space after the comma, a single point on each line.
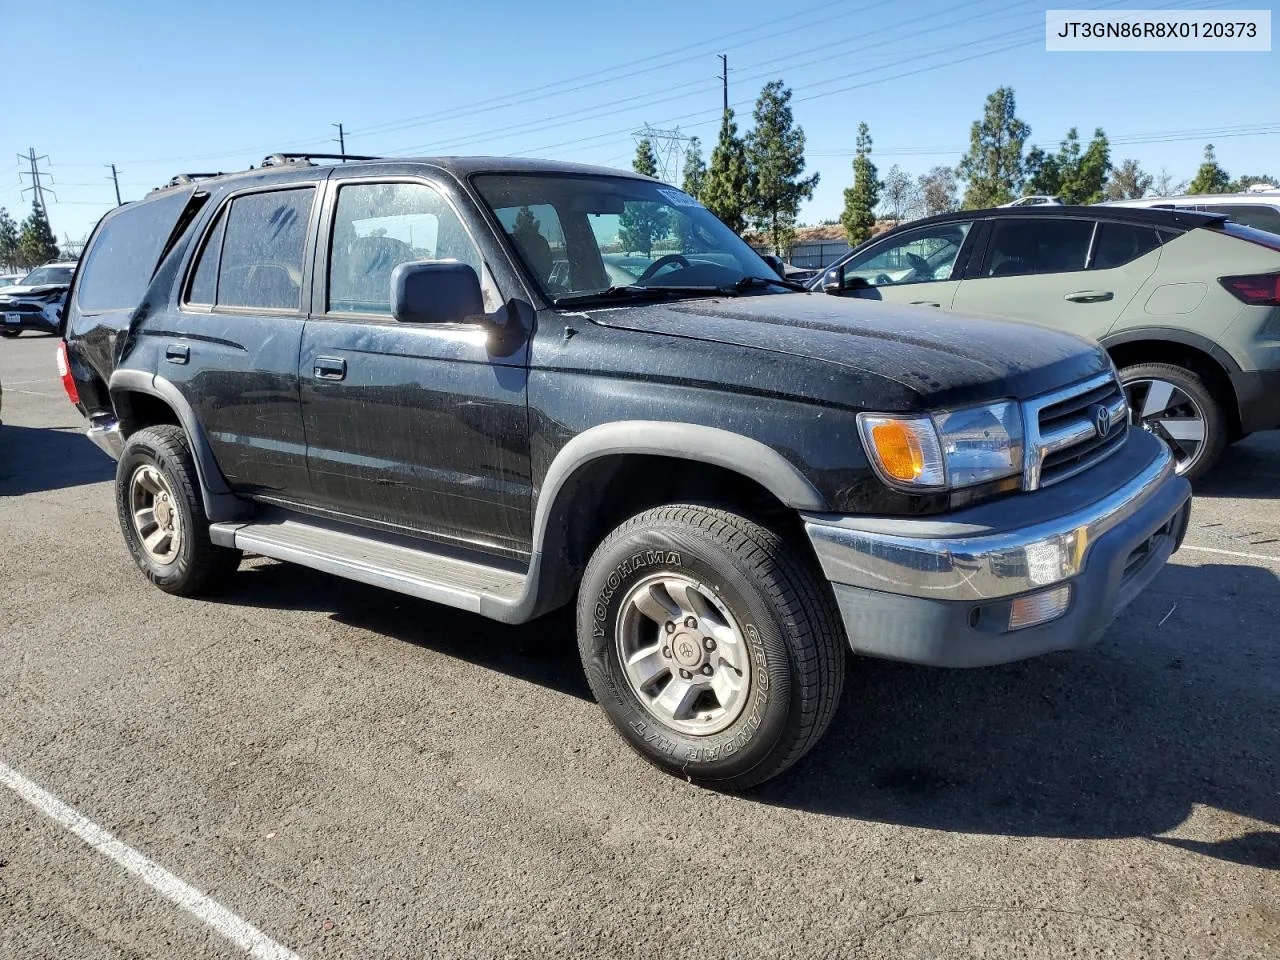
[711, 644]
[162, 516]
[1177, 406]
[9, 334]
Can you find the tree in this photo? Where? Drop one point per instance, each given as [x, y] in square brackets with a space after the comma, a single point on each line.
[727, 189]
[1166, 187]
[775, 155]
[1210, 178]
[937, 191]
[1241, 184]
[859, 217]
[1043, 172]
[1128, 182]
[993, 165]
[899, 193]
[645, 162]
[8, 239]
[36, 243]
[695, 170]
[1075, 176]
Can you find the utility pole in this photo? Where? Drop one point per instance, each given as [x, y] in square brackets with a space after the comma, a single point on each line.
[724, 79]
[342, 141]
[115, 178]
[35, 173]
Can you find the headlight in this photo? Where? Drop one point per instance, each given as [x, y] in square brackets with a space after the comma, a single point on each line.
[951, 449]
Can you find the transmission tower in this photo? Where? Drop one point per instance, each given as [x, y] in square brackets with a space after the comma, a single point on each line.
[37, 188]
[668, 150]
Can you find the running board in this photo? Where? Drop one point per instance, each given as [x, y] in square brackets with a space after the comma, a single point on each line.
[382, 562]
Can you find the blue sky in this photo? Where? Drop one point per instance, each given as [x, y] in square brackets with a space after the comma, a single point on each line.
[160, 88]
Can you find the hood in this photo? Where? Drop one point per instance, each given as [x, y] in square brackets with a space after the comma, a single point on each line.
[945, 358]
[39, 290]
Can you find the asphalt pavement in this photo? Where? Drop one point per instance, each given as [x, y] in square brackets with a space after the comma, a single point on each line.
[351, 773]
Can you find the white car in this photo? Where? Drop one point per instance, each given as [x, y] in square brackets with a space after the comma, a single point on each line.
[1257, 208]
[1035, 200]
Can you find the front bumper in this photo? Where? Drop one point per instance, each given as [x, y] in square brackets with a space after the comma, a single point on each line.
[938, 591]
[1258, 393]
[15, 318]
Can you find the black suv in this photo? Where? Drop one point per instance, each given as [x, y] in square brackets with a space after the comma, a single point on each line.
[502, 385]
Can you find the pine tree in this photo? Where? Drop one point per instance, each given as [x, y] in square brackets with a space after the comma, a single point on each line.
[36, 244]
[695, 169]
[8, 240]
[993, 166]
[727, 189]
[1085, 179]
[859, 216]
[645, 162]
[1210, 178]
[775, 154]
[1128, 182]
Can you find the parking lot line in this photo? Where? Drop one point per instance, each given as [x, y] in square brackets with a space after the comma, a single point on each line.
[1233, 553]
[240, 932]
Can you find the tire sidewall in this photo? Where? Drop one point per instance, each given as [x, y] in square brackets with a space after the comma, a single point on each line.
[636, 556]
[142, 450]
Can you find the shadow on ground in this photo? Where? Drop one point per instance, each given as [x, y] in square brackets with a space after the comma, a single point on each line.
[1249, 469]
[1119, 741]
[41, 458]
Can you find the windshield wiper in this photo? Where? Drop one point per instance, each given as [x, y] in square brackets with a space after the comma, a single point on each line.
[647, 292]
[747, 282]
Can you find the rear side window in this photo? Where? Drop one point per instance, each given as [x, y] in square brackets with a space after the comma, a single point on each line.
[1258, 216]
[119, 265]
[257, 246]
[1121, 243]
[1042, 245]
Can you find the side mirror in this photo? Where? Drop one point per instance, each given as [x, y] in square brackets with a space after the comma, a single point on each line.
[435, 291]
[776, 263]
[833, 281]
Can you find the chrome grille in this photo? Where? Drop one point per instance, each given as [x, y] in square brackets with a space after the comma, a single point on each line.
[1064, 430]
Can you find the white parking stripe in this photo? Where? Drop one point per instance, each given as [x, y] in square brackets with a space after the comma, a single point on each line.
[243, 934]
[1233, 553]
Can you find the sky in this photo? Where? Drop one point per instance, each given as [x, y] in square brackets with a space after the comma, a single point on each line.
[161, 88]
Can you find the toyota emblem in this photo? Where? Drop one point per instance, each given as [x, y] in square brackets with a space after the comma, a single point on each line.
[1102, 420]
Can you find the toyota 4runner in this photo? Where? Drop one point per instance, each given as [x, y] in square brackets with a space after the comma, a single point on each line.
[502, 385]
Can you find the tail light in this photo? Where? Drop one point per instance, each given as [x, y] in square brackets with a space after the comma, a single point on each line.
[1259, 289]
[64, 371]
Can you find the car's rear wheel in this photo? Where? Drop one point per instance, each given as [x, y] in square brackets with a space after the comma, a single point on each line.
[1177, 405]
[713, 646]
[162, 516]
[9, 334]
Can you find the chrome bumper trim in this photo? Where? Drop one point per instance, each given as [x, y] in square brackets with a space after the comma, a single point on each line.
[981, 567]
[106, 437]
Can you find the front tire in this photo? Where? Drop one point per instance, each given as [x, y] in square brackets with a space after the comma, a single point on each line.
[712, 645]
[162, 516]
[1177, 405]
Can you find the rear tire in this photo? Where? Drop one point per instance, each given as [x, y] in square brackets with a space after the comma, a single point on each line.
[713, 646]
[1177, 405]
[9, 334]
[162, 516]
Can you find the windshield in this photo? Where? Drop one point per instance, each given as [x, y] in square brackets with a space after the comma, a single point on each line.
[42, 275]
[579, 235]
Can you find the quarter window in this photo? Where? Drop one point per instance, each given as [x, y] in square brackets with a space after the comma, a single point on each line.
[119, 266]
[377, 227]
[1121, 243]
[1022, 247]
[916, 257]
[261, 253]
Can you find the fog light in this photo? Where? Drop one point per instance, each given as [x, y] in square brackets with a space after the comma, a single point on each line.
[1039, 607]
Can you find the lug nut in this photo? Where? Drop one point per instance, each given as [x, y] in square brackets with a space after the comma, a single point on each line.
[666, 652]
[706, 670]
[671, 627]
[686, 675]
[690, 622]
[708, 643]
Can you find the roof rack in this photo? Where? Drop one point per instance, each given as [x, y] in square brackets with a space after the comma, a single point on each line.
[276, 159]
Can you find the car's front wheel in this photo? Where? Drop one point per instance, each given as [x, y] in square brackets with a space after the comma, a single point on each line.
[713, 645]
[1177, 405]
[162, 516]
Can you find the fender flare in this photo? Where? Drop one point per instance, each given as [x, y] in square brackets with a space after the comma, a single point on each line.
[1186, 338]
[219, 502]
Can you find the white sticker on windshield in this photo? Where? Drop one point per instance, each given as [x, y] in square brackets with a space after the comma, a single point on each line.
[679, 198]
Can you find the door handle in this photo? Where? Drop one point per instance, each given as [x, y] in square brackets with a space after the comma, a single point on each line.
[924, 303]
[177, 353]
[1089, 296]
[330, 368]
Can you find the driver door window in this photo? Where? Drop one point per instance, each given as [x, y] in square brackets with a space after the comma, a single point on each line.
[915, 267]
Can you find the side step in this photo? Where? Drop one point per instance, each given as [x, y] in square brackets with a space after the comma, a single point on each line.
[382, 561]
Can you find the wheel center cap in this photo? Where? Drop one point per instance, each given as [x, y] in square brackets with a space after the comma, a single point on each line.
[687, 649]
[164, 514]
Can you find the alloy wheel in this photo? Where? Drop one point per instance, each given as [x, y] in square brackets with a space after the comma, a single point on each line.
[1161, 408]
[154, 511]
